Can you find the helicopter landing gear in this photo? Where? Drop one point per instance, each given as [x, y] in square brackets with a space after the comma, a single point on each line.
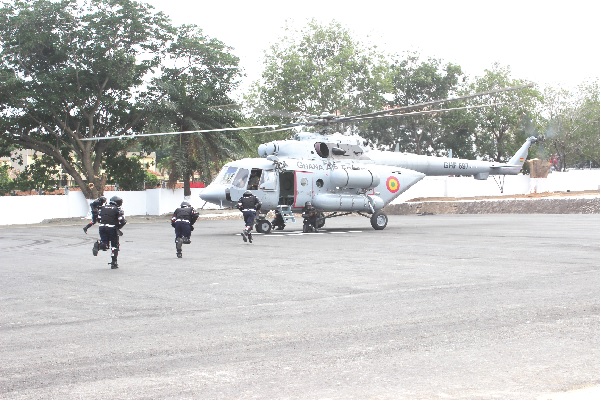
[379, 220]
[263, 226]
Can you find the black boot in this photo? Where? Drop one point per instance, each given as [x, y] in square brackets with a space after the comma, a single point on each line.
[85, 229]
[114, 264]
[96, 248]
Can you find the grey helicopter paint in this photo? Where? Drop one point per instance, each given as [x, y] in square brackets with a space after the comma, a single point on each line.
[339, 174]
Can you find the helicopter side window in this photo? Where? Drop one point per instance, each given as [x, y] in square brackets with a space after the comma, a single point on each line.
[267, 180]
[227, 175]
[241, 178]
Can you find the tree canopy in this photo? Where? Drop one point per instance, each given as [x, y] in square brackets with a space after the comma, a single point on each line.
[78, 69]
[319, 69]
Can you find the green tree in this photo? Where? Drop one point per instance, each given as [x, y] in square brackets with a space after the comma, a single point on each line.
[41, 175]
[415, 81]
[319, 69]
[150, 180]
[588, 113]
[5, 181]
[572, 125]
[198, 79]
[502, 128]
[126, 172]
[75, 69]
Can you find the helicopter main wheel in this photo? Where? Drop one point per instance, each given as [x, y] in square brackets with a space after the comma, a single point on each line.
[379, 220]
[263, 226]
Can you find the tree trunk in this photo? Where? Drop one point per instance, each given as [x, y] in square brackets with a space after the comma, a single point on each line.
[187, 191]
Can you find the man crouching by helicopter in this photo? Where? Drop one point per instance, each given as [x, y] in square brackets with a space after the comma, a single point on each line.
[111, 218]
[248, 204]
[310, 216]
[183, 220]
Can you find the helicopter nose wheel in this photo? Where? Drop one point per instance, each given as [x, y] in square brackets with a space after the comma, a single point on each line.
[263, 226]
[379, 220]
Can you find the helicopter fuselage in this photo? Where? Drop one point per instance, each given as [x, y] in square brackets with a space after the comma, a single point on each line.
[331, 186]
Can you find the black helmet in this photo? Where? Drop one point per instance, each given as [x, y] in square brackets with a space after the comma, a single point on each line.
[185, 204]
[308, 204]
[248, 193]
[102, 199]
[117, 200]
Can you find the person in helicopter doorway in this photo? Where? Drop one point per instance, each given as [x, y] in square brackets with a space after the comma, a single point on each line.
[310, 215]
[248, 204]
[111, 219]
[95, 207]
[183, 220]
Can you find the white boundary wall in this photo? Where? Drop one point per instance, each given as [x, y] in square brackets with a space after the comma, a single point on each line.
[35, 209]
[464, 186]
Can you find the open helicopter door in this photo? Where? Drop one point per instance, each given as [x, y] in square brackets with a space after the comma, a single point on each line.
[286, 188]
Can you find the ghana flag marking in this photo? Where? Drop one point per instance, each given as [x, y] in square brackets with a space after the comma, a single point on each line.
[392, 184]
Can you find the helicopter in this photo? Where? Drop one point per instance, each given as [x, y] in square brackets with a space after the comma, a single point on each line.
[339, 174]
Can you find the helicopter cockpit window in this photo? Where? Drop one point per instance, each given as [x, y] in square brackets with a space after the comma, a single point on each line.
[227, 175]
[241, 178]
[267, 180]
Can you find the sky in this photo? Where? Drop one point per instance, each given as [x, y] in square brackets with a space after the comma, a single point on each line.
[552, 43]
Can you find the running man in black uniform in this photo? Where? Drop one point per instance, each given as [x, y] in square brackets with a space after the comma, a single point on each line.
[248, 204]
[111, 218]
[183, 220]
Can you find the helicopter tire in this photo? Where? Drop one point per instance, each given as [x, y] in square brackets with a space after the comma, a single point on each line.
[379, 220]
[263, 226]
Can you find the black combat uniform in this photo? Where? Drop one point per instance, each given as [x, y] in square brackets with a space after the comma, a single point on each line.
[111, 218]
[248, 204]
[310, 214]
[183, 220]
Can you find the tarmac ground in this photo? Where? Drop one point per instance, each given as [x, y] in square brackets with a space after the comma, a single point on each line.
[439, 307]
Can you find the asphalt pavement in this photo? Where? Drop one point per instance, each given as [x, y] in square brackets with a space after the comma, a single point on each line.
[432, 307]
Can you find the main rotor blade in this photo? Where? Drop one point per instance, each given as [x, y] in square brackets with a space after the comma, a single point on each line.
[131, 136]
[410, 108]
[413, 113]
